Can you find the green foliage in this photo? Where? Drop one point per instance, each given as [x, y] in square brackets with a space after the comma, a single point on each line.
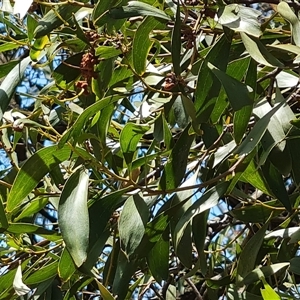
[173, 168]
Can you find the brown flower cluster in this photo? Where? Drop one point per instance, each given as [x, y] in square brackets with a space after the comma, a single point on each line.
[87, 66]
[171, 81]
[189, 36]
[92, 36]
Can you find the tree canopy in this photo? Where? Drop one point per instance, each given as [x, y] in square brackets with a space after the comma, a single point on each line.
[158, 158]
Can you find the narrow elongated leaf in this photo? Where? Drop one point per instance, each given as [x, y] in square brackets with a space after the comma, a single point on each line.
[207, 89]
[259, 53]
[284, 9]
[129, 138]
[176, 165]
[3, 218]
[42, 274]
[105, 294]
[136, 8]
[55, 17]
[66, 266]
[10, 83]
[246, 262]
[142, 44]
[158, 258]
[295, 265]
[75, 130]
[238, 96]
[124, 272]
[176, 43]
[208, 200]
[99, 214]
[73, 216]
[256, 134]
[132, 223]
[276, 184]
[46, 159]
[267, 292]
[7, 67]
[266, 271]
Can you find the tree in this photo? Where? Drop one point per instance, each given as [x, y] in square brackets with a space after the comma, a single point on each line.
[161, 158]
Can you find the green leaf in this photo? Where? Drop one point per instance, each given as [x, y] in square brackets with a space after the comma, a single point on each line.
[77, 127]
[199, 222]
[66, 266]
[129, 138]
[132, 223]
[42, 274]
[54, 18]
[106, 52]
[124, 272]
[33, 207]
[295, 265]
[7, 67]
[284, 9]
[75, 226]
[258, 213]
[158, 258]
[9, 84]
[100, 211]
[36, 51]
[246, 261]
[176, 43]
[255, 177]
[3, 218]
[21, 228]
[240, 18]
[46, 159]
[208, 88]
[67, 71]
[105, 294]
[268, 293]
[276, 184]
[142, 44]
[31, 25]
[259, 53]
[208, 200]
[176, 166]
[257, 132]
[238, 96]
[136, 8]
[266, 271]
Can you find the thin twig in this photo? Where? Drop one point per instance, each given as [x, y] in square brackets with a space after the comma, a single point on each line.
[194, 288]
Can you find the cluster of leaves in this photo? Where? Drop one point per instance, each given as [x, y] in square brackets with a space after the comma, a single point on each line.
[127, 188]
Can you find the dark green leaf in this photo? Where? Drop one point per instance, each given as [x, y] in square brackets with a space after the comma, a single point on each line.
[176, 43]
[132, 223]
[176, 166]
[75, 226]
[66, 266]
[246, 262]
[208, 88]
